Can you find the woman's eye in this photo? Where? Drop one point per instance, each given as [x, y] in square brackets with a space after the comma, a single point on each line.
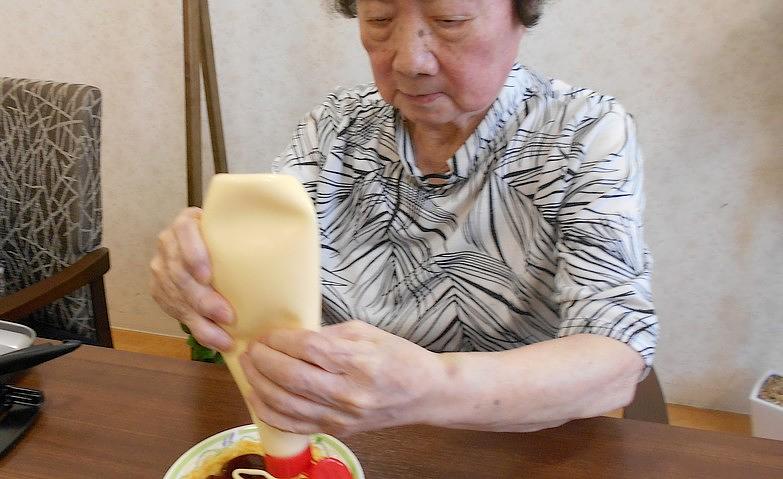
[379, 22]
[451, 22]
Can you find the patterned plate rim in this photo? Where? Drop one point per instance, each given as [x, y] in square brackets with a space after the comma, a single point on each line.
[344, 454]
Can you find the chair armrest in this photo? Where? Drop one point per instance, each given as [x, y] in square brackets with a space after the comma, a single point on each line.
[87, 269]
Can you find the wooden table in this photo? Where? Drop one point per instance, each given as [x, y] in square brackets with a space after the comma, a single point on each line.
[113, 415]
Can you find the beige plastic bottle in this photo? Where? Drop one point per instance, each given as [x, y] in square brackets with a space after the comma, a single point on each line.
[262, 236]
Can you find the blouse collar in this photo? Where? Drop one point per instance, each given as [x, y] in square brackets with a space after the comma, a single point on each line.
[482, 142]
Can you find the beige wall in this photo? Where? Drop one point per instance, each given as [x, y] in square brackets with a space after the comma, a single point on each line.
[131, 50]
[702, 78]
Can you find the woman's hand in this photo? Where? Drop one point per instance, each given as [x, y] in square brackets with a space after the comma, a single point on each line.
[346, 378]
[180, 282]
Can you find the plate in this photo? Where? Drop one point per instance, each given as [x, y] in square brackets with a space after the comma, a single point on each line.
[13, 337]
[214, 444]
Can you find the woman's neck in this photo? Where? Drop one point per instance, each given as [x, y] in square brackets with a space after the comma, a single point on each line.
[434, 145]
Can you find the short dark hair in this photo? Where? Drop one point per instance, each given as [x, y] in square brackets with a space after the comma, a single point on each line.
[528, 11]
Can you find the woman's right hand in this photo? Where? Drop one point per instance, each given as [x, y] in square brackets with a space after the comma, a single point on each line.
[180, 282]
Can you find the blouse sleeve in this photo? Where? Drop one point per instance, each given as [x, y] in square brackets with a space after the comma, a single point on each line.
[603, 270]
[303, 157]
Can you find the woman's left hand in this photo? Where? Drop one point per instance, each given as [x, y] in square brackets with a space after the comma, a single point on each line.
[346, 378]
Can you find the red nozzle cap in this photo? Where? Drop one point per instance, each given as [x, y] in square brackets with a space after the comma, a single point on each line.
[330, 468]
[288, 467]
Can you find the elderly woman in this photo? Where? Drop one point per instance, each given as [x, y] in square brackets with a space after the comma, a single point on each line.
[481, 237]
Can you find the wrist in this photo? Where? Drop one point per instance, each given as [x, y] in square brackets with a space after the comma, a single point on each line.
[445, 392]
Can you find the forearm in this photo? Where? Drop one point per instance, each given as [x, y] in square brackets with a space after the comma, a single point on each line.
[537, 386]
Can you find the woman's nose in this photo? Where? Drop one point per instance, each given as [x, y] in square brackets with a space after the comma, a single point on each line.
[413, 54]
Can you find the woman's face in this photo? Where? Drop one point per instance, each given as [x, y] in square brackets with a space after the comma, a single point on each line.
[440, 62]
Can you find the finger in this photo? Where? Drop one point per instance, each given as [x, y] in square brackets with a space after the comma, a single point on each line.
[170, 299]
[296, 376]
[330, 352]
[355, 330]
[164, 292]
[278, 419]
[283, 401]
[207, 333]
[206, 301]
[191, 243]
[201, 298]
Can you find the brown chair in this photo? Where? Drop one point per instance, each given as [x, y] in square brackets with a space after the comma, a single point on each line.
[648, 404]
[51, 262]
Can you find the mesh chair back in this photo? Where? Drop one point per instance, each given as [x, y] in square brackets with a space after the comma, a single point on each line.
[50, 199]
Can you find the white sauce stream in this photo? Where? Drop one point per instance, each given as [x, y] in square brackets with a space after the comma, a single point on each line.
[251, 472]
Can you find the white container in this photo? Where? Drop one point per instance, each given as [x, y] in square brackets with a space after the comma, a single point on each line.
[766, 417]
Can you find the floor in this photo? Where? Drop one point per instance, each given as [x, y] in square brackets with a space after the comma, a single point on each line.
[679, 415]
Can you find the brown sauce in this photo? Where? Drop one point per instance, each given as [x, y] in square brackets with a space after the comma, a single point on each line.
[245, 461]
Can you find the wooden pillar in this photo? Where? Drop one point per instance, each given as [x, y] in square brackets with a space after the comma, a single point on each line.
[192, 27]
[200, 59]
[211, 90]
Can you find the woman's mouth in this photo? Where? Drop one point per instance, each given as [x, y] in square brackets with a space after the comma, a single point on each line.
[422, 99]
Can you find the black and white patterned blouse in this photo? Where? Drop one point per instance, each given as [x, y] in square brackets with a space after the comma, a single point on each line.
[535, 233]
